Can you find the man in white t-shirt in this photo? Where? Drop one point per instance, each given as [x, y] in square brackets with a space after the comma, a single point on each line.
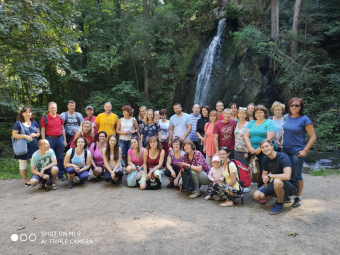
[180, 124]
[44, 165]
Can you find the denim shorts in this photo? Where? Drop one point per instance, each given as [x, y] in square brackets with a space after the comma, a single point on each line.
[290, 189]
[37, 177]
[297, 165]
[124, 146]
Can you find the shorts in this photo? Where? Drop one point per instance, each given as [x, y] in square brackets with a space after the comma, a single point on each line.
[290, 189]
[124, 146]
[37, 177]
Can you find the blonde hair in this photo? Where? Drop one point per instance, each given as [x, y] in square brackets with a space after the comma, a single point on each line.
[213, 113]
[278, 104]
[140, 108]
[146, 119]
[81, 128]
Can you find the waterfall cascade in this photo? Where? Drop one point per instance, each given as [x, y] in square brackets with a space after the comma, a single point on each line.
[203, 81]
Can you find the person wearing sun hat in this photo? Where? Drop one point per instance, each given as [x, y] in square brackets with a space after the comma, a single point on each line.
[90, 117]
[216, 176]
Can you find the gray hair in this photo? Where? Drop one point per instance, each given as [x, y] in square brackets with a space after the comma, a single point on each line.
[227, 110]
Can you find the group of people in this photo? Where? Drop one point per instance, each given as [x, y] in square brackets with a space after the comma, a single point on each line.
[208, 143]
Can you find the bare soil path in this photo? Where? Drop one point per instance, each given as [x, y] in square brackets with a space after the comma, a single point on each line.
[122, 220]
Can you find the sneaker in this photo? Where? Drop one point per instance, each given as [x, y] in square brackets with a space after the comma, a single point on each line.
[120, 180]
[195, 194]
[70, 185]
[246, 190]
[170, 185]
[27, 184]
[61, 178]
[276, 209]
[287, 200]
[297, 202]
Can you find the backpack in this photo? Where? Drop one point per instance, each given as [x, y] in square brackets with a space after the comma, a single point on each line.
[46, 119]
[243, 173]
[66, 118]
[74, 151]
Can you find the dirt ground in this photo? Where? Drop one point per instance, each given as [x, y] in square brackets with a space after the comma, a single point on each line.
[99, 218]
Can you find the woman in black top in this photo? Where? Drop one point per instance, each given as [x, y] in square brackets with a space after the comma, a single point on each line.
[205, 111]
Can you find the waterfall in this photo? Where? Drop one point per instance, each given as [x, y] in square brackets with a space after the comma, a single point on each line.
[203, 81]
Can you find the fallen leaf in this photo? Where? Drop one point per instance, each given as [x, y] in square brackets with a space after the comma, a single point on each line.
[20, 228]
[251, 213]
[34, 218]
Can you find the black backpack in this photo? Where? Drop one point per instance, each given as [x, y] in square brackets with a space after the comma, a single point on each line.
[74, 151]
[187, 181]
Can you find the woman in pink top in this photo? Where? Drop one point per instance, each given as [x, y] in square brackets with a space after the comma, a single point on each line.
[209, 147]
[97, 161]
[135, 157]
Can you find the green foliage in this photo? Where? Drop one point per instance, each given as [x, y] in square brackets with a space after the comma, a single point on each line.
[232, 11]
[325, 172]
[10, 169]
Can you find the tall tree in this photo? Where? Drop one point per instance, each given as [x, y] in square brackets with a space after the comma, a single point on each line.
[275, 19]
[293, 46]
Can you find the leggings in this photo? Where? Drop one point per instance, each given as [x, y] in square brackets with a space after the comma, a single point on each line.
[83, 176]
[226, 192]
[118, 173]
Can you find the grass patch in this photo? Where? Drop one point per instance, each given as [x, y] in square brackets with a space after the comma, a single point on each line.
[10, 169]
[325, 172]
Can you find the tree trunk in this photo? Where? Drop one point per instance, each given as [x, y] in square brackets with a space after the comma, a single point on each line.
[275, 18]
[134, 67]
[146, 79]
[293, 46]
[29, 86]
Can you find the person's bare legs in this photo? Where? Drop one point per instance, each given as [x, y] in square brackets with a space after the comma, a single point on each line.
[279, 191]
[23, 173]
[299, 188]
[54, 172]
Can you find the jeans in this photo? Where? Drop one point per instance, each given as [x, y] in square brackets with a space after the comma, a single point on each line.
[125, 146]
[297, 165]
[68, 138]
[57, 145]
[83, 176]
[118, 173]
[200, 178]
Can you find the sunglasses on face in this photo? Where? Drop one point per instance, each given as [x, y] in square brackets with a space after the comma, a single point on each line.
[294, 105]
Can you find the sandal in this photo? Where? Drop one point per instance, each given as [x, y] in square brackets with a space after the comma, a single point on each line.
[209, 188]
[228, 203]
[54, 186]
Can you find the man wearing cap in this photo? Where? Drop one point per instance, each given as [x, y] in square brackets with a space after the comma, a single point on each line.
[89, 112]
[107, 121]
[276, 176]
[72, 121]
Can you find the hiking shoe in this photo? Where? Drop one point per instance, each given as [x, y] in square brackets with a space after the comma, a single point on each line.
[276, 209]
[246, 190]
[195, 194]
[297, 202]
[287, 200]
[170, 185]
[70, 185]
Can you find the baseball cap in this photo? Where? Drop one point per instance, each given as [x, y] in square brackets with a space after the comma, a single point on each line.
[216, 158]
[89, 107]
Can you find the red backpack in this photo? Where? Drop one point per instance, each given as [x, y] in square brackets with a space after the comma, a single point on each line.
[243, 173]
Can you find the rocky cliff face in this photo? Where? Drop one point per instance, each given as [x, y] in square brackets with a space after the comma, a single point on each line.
[235, 78]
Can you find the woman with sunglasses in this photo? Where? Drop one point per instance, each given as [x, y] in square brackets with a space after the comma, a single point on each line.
[295, 146]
